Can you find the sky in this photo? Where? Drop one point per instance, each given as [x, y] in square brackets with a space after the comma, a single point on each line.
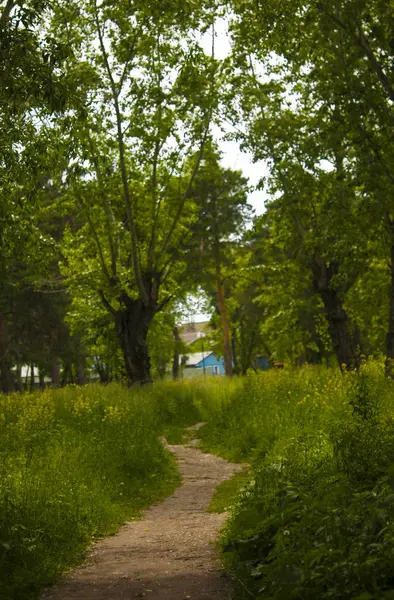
[233, 158]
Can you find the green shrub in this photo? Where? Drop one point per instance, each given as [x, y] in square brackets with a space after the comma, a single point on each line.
[316, 519]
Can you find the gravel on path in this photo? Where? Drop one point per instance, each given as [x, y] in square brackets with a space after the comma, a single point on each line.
[169, 554]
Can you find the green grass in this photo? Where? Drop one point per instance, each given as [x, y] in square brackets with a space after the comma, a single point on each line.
[74, 464]
[316, 520]
[174, 434]
[227, 492]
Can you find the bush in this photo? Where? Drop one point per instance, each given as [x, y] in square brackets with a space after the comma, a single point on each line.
[316, 519]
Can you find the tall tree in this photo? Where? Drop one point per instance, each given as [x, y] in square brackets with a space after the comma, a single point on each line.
[319, 89]
[34, 90]
[140, 137]
[221, 195]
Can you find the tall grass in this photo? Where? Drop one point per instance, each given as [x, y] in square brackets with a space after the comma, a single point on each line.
[316, 519]
[74, 464]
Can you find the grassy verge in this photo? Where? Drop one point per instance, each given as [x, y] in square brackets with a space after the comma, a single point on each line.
[317, 518]
[228, 492]
[74, 464]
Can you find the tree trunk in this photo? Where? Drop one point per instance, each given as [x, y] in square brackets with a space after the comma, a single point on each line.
[18, 378]
[68, 376]
[337, 318]
[3, 338]
[132, 326]
[251, 350]
[7, 383]
[55, 373]
[103, 371]
[42, 379]
[81, 372]
[175, 359]
[228, 362]
[234, 352]
[32, 380]
[389, 365]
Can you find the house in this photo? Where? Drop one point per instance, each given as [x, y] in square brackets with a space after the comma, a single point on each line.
[202, 363]
[262, 363]
[190, 332]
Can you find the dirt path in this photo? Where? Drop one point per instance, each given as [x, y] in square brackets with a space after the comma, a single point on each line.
[167, 555]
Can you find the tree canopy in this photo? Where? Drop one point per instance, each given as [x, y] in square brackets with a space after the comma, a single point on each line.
[115, 204]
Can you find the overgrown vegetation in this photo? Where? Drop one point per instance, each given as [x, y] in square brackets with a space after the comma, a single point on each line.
[313, 518]
[316, 518]
[228, 491]
[74, 464]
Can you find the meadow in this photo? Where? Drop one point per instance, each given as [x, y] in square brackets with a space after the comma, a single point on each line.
[313, 518]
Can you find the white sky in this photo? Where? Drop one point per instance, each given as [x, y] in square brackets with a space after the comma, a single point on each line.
[233, 158]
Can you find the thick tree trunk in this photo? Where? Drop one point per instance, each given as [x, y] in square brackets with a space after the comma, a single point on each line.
[389, 365]
[132, 326]
[337, 318]
[7, 381]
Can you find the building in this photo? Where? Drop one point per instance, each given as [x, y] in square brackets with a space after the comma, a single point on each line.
[190, 332]
[202, 363]
[262, 363]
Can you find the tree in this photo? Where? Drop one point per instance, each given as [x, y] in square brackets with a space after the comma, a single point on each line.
[33, 90]
[221, 195]
[140, 137]
[313, 88]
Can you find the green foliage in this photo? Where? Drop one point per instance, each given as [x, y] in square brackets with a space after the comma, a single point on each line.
[310, 90]
[316, 518]
[313, 518]
[228, 492]
[74, 464]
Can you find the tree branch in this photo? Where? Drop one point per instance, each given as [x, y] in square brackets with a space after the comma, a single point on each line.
[7, 11]
[185, 195]
[164, 302]
[95, 237]
[114, 248]
[128, 59]
[156, 153]
[107, 305]
[122, 160]
[271, 147]
[362, 42]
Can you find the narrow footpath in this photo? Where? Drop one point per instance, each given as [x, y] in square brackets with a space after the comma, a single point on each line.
[169, 554]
